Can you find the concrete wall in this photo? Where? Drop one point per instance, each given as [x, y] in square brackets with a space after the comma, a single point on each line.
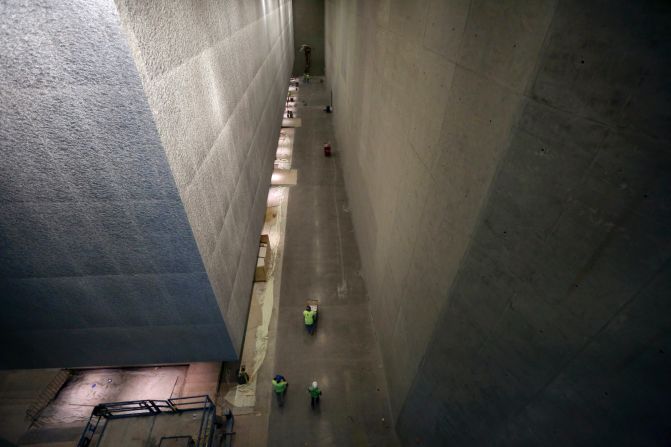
[98, 260]
[215, 77]
[509, 175]
[308, 16]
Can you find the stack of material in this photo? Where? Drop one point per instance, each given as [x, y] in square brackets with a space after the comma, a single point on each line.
[263, 260]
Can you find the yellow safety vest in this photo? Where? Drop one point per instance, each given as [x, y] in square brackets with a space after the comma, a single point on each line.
[309, 316]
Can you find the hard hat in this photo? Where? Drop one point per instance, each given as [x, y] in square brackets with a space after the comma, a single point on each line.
[314, 384]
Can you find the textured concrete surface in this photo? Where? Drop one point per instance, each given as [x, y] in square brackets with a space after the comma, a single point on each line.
[215, 77]
[98, 264]
[509, 177]
[308, 16]
[137, 149]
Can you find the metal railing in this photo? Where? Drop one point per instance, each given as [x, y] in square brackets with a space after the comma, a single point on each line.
[152, 407]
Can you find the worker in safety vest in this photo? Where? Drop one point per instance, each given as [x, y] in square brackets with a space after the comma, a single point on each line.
[310, 317]
[315, 392]
[280, 386]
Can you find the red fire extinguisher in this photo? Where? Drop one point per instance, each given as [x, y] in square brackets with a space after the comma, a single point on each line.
[327, 150]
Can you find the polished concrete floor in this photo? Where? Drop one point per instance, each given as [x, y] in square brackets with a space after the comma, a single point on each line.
[321, 261]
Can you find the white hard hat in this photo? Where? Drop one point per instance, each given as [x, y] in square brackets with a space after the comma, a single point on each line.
[314, 384]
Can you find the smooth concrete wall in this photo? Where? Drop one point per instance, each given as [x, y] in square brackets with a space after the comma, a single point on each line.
[509, 176]
[98, 263]
[215, 76]
[308, 16]
[421, 136]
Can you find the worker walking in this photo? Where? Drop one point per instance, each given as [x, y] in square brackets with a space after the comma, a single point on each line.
[280, 386]
[315, 392]
[310, 317]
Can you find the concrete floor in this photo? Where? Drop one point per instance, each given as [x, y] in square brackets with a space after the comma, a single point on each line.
[87, 388]
[321, 261]
[61, 421]
[144, 431]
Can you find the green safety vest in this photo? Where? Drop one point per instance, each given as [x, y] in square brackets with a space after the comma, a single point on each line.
[279, 386]
[315, 392]
[309, 316]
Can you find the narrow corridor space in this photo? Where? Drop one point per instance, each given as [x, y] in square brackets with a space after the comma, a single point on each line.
[321, 262]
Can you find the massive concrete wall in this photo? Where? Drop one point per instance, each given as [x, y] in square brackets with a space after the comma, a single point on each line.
[98, 260]
[98, 263]
[508, 169]
[421, 136]
[308, 16]
[215, 76]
